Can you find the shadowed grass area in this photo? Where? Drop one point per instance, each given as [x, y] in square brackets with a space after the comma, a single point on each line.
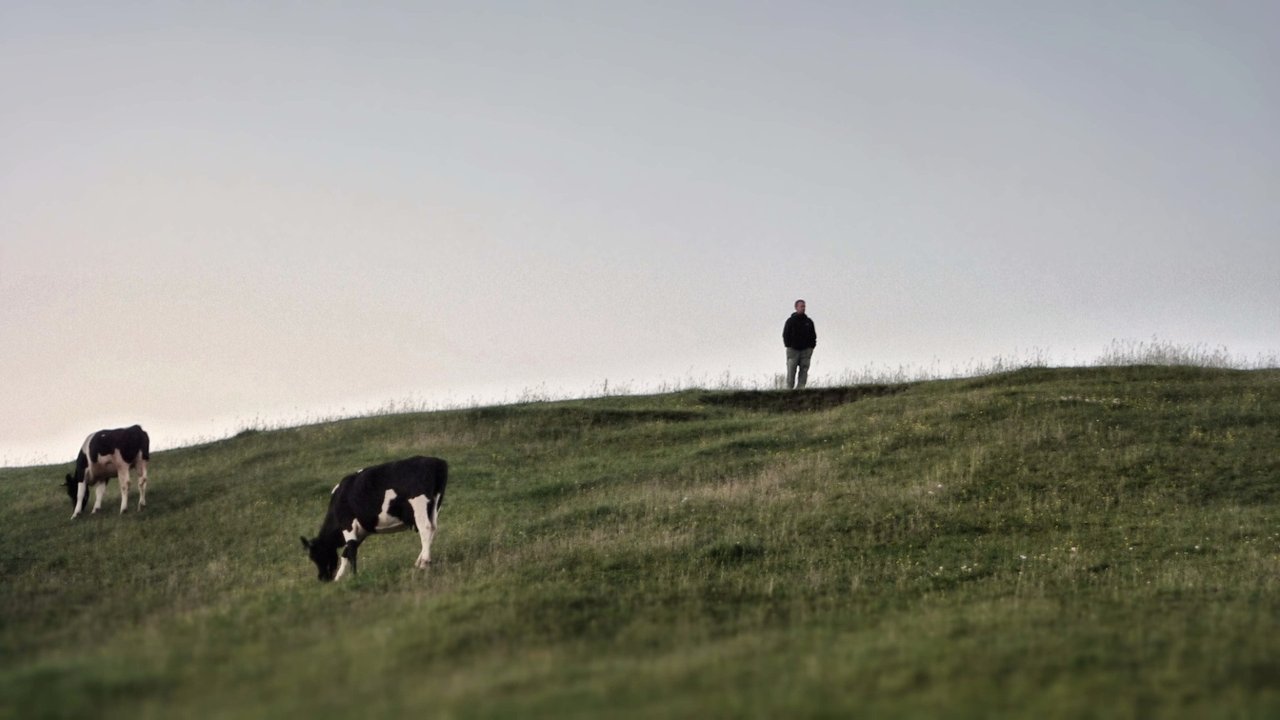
[1062, 542]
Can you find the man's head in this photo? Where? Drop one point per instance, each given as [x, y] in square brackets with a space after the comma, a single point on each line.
[800, 306]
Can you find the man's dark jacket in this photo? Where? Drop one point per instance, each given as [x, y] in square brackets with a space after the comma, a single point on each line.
[799, 333]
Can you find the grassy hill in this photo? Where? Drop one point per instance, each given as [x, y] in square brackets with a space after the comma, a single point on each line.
[1043, 543]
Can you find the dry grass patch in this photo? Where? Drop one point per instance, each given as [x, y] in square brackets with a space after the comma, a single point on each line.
[789, 478]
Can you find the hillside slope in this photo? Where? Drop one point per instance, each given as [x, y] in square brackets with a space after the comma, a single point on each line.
[1048, 542]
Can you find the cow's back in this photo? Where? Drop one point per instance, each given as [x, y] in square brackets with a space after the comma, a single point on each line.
[132, 442]
[362, 493]
[418, 475]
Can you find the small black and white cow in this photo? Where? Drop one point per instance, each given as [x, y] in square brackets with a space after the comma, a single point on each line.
[384, 498]
[104, 455]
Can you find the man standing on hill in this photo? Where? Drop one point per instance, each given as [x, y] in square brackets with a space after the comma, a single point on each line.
[801, 338]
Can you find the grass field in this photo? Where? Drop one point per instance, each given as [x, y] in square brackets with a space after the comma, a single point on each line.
[1100, 542]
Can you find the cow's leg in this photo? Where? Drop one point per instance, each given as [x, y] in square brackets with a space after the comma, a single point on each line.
[99, 488]
[348, 559]
[82, 498]
[426, 522]
[142, 483]
[124, 482]
[352, 538]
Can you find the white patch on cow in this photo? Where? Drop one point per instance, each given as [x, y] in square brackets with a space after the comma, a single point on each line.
[335, 488]
[354, 533]
[386, 522]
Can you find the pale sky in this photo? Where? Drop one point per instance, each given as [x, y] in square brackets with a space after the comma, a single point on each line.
[221, 213]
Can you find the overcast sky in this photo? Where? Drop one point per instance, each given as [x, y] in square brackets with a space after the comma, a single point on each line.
[226, 213]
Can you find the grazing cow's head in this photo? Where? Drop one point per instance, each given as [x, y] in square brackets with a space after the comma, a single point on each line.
[325, 558]
[71, 488]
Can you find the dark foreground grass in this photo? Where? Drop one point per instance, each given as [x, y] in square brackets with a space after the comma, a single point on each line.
[1043, 543]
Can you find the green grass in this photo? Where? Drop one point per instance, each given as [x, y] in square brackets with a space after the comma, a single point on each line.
[1099, 542]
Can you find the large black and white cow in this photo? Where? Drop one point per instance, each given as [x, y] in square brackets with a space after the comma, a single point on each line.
[384, 498]
[104, 455]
